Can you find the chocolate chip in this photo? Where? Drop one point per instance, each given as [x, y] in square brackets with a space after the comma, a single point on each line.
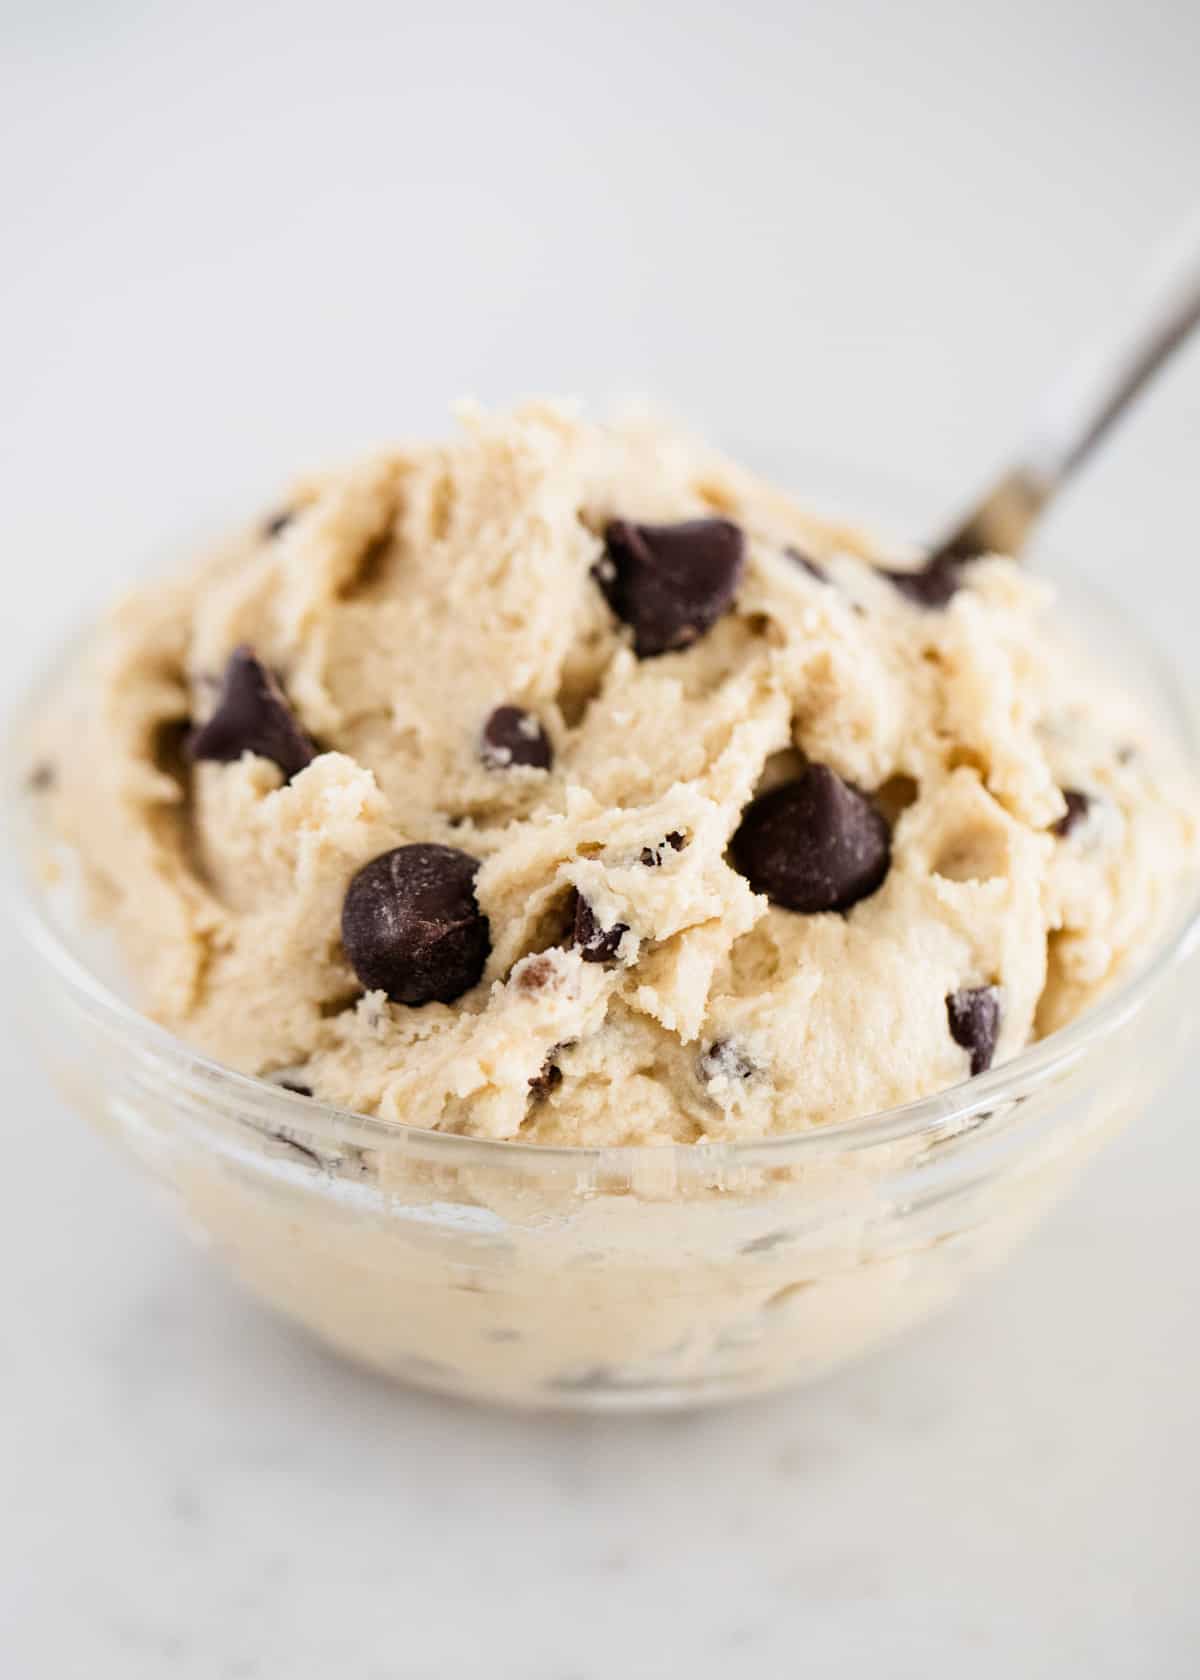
[723, 1060]
[278, 522]
[41, 778]
[813, 567]
[514, 736]
[252, 715]
[1078, 806]
[411, 926]
[652, 855]
[596, 944]
[813, 844]
[294, 1088]
[974, 1017]
[549, 1079]
[932, 585]
[670, 582]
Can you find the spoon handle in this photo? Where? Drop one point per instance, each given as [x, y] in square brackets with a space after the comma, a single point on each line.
[1079, 409]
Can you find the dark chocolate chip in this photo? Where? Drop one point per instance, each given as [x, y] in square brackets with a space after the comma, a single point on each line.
[252, 716]
[813, 567]
[813, 844]
[549, 1079]
[596, 944]
[1078, 806]
[723, 1060]
[670, 582]
[932, 585]
[514, 736]
[278, 522]
[974, 1017]
[652, 855]
[411, 926]
[41, 778]
[294, 1088]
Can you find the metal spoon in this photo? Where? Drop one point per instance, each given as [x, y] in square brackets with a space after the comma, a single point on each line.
[1077, 412]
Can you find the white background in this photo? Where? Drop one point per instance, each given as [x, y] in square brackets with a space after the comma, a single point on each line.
[240, 239]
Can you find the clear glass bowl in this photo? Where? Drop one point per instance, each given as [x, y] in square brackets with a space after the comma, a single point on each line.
[593, 1278]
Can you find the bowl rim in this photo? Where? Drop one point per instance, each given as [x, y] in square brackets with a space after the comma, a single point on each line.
[269, 1105]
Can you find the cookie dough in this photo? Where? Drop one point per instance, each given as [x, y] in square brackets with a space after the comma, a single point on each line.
[567, 783]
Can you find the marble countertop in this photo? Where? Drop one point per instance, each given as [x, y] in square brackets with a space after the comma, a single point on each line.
[868, 229]
[192, 1489]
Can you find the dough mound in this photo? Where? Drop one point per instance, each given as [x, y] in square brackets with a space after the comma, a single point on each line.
[400, 602]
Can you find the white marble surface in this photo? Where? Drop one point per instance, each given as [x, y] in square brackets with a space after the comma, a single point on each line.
[242, 238]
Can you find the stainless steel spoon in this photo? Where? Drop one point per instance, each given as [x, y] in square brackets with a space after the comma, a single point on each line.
[1077, 412]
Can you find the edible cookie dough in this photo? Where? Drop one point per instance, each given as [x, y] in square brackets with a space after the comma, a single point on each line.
[566, 783]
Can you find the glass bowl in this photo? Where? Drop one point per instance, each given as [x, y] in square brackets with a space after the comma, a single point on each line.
[604, 1278]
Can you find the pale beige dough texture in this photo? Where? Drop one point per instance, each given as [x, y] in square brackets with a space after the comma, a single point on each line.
[409, 596]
